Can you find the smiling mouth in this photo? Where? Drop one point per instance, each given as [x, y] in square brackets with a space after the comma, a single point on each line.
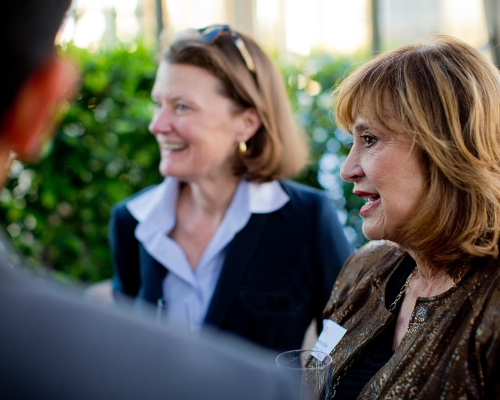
[372, 202]
[172, 146]
[371, 199]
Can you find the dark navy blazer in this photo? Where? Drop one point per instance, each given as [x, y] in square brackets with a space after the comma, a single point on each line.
[277, 275]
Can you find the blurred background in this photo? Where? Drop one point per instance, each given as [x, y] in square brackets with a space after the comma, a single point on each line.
[57, 210]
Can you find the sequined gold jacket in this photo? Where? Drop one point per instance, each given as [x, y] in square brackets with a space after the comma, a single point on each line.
[452, 347]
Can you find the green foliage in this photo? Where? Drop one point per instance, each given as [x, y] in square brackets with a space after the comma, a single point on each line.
[310, 81]
[57, 211]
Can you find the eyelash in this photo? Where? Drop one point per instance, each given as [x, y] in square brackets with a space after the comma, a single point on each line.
[366, 137]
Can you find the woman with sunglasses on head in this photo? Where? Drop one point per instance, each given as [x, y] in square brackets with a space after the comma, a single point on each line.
[226, 240]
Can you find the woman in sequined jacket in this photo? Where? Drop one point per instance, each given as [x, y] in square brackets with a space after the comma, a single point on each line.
[421, 303]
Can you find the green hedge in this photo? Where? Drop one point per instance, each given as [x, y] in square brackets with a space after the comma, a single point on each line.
[57, 211]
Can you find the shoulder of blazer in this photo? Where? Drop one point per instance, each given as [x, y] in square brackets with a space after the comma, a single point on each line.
[120, 209]
[299, 189]
[140, 192]
[302, 194]
[122, 223]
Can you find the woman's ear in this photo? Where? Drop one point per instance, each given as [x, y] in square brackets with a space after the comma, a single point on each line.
[250, 122]
[30, 120]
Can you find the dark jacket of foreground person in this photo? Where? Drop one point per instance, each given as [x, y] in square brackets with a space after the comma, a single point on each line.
[53, 345]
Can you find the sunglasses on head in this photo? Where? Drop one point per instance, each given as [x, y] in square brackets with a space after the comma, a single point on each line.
[211, 33]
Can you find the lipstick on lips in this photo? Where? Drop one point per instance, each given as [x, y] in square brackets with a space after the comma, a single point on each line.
[372, 201]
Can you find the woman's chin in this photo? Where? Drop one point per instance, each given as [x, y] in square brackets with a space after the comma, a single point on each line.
[164, 172]
[372, 233]
[166, 169]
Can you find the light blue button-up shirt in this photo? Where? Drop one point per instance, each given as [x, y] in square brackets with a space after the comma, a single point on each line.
[187, 293]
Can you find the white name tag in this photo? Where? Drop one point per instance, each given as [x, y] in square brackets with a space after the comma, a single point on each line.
[331, 335]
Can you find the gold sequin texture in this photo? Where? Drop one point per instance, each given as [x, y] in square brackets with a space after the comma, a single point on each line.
[452, 347]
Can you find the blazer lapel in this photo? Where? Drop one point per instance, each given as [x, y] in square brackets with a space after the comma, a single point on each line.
[238, 257]
[152, 276]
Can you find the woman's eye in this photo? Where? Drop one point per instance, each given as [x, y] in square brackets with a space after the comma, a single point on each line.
[180, 107]
[368, 140]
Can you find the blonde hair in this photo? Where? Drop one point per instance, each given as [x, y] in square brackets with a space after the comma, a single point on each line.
[446, 95]
[278, 149]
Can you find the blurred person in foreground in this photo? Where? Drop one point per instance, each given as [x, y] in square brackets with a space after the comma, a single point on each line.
[226, 240]
[53, 345]
[422, 304]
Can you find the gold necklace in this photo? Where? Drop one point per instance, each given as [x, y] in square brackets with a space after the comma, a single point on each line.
[461, 272]
[454, 283]
[402, 291]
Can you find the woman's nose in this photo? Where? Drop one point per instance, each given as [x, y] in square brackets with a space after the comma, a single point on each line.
[351, 170]
[160, 123]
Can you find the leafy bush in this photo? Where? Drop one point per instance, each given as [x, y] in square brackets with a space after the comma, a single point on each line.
[57, 211]
[310, 81]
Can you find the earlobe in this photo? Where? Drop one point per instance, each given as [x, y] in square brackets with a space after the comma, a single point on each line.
[30, 119]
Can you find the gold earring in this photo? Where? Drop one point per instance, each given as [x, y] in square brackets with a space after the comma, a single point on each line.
[242, 148]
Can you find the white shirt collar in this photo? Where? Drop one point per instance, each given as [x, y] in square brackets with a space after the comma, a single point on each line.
[184, 288]
[158, 204]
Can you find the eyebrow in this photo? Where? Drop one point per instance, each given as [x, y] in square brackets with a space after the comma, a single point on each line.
[156, 97]
[360, 126]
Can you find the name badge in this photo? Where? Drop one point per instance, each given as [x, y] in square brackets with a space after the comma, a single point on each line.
[331, 335]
